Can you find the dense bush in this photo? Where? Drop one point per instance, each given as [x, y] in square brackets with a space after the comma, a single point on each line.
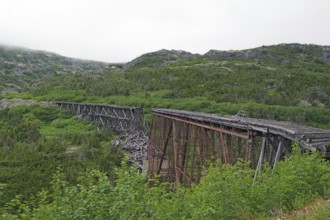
[36, 140]
[225, 192]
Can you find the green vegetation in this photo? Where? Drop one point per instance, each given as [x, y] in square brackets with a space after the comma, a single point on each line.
[320, 209]
[296, 91]
[20, 67]
[158, 59]
[35, 141]
[54, 166]
[226, 192]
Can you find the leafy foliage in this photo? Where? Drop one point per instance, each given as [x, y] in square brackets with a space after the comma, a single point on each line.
[35, 140]
[226, 192]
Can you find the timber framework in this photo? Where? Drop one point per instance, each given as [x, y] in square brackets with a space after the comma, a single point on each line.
[124, 120]
[121, 119]
[181, 143]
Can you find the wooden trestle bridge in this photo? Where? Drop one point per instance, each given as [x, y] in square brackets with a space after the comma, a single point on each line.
[182, 143]
[119, 118]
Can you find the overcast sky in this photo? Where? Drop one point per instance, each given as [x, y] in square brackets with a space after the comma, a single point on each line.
[121, 30]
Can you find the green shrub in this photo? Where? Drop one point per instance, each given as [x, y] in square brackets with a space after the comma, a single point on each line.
[34, 142]
[225, 192]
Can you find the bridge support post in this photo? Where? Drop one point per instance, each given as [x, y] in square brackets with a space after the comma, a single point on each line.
[176, 153]
[167, 138]
[185, 151]
[278, 153]
[261, 157]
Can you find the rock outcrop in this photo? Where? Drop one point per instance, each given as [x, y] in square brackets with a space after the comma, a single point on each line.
[159, 58]
[233, 54]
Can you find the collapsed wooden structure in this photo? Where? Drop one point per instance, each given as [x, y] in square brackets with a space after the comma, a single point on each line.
[123, 120]
[181, 143]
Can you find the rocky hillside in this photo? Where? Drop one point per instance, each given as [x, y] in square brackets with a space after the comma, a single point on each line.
[278, 54]
[20, 66]
[283, 75]
[281, 54]
[159, 59]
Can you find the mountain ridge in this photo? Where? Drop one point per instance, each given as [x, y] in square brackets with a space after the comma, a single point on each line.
[159, 58]
[286, 74]
[165, 57]
[46, 52]
[21, 66]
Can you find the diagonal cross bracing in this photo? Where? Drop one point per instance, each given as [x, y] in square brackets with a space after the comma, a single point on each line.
[121, 119]
[181, 143]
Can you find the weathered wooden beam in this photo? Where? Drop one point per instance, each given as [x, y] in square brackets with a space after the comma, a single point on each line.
[176, 153]
[167, 138]
[278, 153]
[290, 131]
[194, 152]
[185, 137]
[238, 134]
[261, 157]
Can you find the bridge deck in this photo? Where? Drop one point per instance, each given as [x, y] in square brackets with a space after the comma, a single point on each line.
[308, 137]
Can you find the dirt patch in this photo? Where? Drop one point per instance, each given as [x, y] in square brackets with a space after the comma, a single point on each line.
[9, 103]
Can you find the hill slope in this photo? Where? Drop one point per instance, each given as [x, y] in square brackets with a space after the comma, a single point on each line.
[278, 54]
[19, 66]
[281, 82]
[159, 59]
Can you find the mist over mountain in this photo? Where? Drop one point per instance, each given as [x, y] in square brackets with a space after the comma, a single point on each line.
[20, 66]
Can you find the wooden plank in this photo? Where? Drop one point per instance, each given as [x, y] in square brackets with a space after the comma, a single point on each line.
[287, 129]
[205, 126]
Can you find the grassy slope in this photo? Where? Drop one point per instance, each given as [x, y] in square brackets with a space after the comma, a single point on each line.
[283, 82]
[317, 210]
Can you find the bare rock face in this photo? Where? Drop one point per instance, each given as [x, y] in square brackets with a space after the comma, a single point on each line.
[233, 54]
[285, 62]
[326, 55]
